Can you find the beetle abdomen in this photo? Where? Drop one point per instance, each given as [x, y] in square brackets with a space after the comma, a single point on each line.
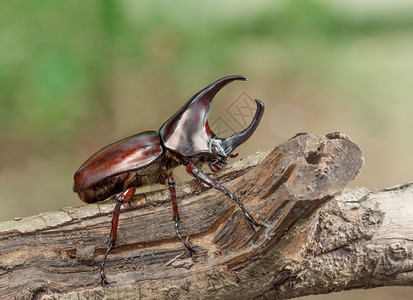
[103, 189]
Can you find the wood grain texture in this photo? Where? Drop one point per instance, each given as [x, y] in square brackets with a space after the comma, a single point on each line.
[313, 239]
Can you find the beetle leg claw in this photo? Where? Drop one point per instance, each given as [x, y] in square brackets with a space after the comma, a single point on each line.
[190, 249]
[104, 281]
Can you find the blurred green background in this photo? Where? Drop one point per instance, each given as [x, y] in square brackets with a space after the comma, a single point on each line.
[78, 75]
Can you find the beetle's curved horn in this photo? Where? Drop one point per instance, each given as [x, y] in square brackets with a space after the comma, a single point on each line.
[202, 100]
[187, 131]
[229, 144]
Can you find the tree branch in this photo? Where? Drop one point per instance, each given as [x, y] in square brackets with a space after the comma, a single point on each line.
[315, 238]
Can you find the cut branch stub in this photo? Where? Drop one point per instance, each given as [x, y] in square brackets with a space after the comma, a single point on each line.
[293, 180]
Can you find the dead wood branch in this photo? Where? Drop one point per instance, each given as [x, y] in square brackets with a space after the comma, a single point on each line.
[315, 238]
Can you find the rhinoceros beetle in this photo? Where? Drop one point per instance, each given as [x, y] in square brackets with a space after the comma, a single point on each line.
[149, 157]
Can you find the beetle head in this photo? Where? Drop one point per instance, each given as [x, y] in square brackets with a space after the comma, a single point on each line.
[187, 132]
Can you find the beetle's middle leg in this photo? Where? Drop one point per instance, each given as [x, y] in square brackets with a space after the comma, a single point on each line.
[171, 183]
[125, 196]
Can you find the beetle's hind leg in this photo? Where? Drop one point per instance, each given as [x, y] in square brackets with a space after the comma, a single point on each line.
[125, 196]
[171, 184]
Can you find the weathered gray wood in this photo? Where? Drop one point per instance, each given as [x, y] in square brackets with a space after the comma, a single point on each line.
[303, 247]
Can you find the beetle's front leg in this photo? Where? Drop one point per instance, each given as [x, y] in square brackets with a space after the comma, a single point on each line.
[171, 184]
[121, 198]
[195, 171]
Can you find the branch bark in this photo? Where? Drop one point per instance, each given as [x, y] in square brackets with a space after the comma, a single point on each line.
[316, 238]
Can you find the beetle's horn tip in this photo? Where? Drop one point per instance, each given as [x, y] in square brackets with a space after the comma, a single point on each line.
[259, 103]
[235, 77]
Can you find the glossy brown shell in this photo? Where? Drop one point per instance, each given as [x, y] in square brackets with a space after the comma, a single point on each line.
[130, 154]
